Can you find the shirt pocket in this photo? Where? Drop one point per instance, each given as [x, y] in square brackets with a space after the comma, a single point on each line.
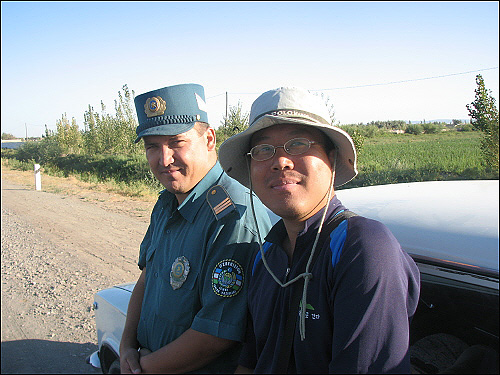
[178, 306]
[150, 252]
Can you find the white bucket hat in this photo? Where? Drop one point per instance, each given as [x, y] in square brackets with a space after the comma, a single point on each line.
[288, 105]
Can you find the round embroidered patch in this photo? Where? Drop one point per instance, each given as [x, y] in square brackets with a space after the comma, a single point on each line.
[227, 278]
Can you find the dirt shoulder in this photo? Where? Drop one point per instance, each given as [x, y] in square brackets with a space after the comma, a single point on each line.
[98, 194]
[60, 246]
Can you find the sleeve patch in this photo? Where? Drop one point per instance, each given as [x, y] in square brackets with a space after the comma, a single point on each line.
[227, 278]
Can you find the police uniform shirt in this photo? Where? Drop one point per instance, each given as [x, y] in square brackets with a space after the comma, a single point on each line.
[362, 295]
[196, 262]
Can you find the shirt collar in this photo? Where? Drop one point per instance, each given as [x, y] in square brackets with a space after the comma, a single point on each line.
[312, 224]
[278, 231]
[193, 202]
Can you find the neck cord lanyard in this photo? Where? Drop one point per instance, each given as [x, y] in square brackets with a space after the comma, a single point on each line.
[306, 275]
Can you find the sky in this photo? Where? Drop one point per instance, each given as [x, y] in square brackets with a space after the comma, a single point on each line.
[372, 61]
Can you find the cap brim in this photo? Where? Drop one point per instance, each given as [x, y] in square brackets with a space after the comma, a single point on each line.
[165, 130]
[233, 152]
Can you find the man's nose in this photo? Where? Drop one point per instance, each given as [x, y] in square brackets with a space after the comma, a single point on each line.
[281, 160]
[166, 157]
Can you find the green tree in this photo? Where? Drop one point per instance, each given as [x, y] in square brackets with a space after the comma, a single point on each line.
[90, 134]
[48, 133]
[390, 125]
[7, 136]
[484, 117]
[331, 111]
[126, 122]
[235, 122]
[68, 136]
[112, 134]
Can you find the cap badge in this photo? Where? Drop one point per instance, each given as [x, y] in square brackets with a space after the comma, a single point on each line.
[179, 272]
[155, 106]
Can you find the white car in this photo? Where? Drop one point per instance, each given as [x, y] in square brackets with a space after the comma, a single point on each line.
[450, 228]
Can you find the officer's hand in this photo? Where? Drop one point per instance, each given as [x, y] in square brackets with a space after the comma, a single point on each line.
[129, 362]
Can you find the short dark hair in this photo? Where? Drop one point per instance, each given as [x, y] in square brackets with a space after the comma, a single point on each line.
[201, 127]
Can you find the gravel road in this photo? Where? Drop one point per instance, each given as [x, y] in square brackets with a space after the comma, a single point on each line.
[57, 251]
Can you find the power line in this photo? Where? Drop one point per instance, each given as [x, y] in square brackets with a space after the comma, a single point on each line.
[406, 80]
[370, 84]
[217, 95]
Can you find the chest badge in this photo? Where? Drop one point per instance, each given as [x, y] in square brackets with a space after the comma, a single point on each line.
[179, 272]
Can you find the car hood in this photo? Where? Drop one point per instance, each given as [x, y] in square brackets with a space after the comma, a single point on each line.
[127, 286]
[455, 221]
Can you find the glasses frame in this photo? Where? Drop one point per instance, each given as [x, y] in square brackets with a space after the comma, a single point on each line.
[310, 143]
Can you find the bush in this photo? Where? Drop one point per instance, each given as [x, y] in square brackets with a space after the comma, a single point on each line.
[16, 164]
[431, 128]
[369, 131]
[357, 137]
[465, 128]
[414, 129]
[40, 152]
[9, 153]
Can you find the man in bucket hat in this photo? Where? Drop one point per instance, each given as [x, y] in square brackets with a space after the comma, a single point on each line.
[330, 291]
[188, 309]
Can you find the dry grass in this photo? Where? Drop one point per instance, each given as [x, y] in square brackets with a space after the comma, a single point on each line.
[72, 185]
[102, 194]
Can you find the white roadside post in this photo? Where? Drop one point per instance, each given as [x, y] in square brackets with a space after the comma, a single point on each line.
[38, 178]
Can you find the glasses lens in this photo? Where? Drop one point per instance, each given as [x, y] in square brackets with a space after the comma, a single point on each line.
[297, 146]
[262, 152]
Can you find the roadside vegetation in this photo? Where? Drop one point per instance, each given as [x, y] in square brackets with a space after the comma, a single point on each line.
[388, 151]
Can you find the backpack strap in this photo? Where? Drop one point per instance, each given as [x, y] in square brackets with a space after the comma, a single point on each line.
[286, 360]
[329, 227]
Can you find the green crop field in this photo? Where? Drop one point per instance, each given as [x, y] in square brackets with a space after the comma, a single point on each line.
[393, 158]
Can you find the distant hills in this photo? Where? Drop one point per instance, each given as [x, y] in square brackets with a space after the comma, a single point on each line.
[440, 120]
[445, 120]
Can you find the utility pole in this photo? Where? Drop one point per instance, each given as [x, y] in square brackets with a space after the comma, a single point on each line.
[26, 127]
[225, 122]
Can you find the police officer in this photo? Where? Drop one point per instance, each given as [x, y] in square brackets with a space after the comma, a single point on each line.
[187, 312]
[330, 291]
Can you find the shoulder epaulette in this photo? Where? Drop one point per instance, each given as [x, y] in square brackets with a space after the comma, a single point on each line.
[219, 201]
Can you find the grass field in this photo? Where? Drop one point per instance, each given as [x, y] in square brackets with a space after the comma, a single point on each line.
[390, 158]
[396, 158]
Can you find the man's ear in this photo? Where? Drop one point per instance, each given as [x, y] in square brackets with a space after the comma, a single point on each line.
[211, 138]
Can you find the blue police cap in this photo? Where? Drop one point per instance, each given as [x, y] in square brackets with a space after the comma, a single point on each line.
[171, 110]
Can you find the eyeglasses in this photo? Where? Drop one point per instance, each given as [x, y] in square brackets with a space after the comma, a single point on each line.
[295, 146]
